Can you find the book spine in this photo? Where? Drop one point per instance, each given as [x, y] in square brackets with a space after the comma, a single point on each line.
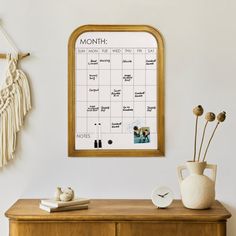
[63, 204]
[70, 208]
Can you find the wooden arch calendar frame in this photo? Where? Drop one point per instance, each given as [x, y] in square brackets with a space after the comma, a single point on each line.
[141, 151]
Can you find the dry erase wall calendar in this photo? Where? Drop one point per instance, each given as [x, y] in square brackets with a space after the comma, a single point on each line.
[116, 91]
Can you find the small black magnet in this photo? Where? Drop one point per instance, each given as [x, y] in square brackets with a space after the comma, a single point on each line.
[95, 144]
[110, 141]
[100, 143]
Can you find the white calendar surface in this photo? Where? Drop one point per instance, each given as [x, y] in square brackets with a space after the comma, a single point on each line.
[116, 91]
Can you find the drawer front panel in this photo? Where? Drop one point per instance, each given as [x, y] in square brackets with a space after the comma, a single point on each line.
[171, 229]
[30, 228]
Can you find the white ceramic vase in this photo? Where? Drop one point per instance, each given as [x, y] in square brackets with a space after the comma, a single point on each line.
[197, 189]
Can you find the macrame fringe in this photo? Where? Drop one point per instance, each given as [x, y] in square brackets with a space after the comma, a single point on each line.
[15, 102]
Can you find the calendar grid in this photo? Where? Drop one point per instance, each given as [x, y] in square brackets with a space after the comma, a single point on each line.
[113, 87]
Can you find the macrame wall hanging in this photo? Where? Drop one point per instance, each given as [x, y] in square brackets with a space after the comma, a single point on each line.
[15, 101]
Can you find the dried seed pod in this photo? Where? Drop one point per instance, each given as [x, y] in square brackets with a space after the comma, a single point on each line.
[210, 116]
[221, 116]
[198, 110]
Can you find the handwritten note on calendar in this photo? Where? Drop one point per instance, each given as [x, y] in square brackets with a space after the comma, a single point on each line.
[116, 91]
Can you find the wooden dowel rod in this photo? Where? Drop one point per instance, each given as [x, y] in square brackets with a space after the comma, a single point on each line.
[21, 55]
[3, 56]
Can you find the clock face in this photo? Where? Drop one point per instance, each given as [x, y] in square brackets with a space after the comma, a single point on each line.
[162, 197]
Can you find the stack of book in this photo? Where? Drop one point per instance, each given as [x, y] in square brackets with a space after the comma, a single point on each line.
[51, 205]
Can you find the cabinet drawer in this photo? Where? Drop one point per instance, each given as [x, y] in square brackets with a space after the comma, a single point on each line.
[60, 228]
[171, 229]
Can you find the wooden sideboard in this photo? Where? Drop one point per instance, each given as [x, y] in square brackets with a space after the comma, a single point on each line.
[117, 218]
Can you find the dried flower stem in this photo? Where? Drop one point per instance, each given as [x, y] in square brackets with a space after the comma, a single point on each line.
[195, 139]
[210, 141]
[203, 135]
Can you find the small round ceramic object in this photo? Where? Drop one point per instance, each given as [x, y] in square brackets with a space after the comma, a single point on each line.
[162, 197]
[65, 197]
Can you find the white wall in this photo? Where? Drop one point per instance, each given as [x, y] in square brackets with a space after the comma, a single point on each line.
[200, 54]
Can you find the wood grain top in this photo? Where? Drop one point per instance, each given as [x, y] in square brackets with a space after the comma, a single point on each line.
[118, 210]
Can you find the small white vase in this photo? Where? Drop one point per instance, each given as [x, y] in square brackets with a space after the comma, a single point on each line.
[197, 189]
